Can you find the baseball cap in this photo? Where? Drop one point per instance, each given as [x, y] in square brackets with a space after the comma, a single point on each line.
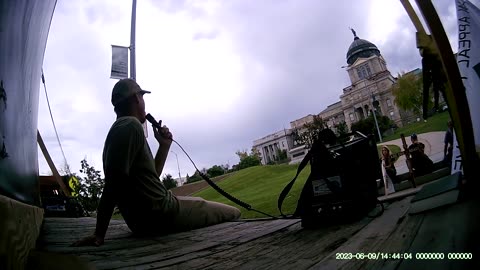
[414, 136]
[124, 89]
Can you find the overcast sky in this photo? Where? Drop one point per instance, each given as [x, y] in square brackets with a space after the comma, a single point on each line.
[222, 73]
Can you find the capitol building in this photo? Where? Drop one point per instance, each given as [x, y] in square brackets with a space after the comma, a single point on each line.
[370, 89]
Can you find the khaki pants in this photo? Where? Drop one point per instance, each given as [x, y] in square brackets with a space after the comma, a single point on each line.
[195, 212]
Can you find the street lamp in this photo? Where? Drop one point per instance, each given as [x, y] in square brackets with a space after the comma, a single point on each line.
[179, 175]
[375, 118]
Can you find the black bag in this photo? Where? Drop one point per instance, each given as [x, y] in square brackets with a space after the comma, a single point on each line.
[342, 184]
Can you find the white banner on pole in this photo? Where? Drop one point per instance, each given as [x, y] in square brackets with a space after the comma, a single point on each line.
[468, 59]
[119, 62]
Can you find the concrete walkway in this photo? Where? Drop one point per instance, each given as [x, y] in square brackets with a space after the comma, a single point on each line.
[433, 148]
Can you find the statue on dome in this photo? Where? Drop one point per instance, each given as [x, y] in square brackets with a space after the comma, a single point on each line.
[354, 33]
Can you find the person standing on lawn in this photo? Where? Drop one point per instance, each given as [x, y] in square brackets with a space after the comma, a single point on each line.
[448, 141]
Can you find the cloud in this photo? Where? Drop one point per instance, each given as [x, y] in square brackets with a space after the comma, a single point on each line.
[205, 35]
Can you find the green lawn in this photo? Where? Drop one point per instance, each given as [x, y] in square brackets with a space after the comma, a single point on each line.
[437, 122]
[260, 187]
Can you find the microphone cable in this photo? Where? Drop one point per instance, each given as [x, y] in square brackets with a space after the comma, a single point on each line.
[221, 191]
[245, 205]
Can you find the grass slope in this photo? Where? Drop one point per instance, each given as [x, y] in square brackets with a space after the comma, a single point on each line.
[260, 187]
[437, 122]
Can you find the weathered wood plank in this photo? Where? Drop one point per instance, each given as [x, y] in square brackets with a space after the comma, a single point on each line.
[169, 245]
[453, 229]
[118, 236]
[76, 222]
[439, 186]
[173, 252]
[38, 260]
[212, 232]
[19, 228]
[275, 244]
[90, 229]
[398, 242]
[291, 246]
[446, 198]
[242, 245]
[400, 194]
[369, 239]
[67, 237]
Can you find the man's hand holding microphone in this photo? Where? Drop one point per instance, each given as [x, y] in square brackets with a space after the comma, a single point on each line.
[162, 134]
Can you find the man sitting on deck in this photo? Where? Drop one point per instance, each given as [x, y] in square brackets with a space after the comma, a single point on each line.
[132, 177]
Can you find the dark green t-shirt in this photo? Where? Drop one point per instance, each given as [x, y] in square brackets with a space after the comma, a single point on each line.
[142, 194]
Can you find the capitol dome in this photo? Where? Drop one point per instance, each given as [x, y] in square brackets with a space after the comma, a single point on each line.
[360, 48]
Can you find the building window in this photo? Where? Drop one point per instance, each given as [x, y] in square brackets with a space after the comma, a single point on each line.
[352, 118]
[389, 102]
[298, 154]
[283, 144]
[363, 71]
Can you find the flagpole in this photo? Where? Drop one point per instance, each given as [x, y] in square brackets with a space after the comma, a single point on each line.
[133, 74]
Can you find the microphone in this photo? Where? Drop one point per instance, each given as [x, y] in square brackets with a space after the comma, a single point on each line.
[154, 122]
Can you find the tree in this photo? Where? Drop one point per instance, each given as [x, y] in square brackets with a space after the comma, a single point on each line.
[65, 170]
[310, 132]
[297, 141]
[226, 167]
[90, 187]
[194, 178]
[341, 129]
[169, 182]
[367, 126]
[408, 92]
[215, 170]
[248, 160]
[234, 168]
[281, 156]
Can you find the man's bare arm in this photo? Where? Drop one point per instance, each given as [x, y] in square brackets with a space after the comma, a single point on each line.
[104, 214]
[160, 158]
[105, 209]
[164, 138]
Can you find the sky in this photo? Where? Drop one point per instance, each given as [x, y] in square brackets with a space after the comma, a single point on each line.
[222, 73]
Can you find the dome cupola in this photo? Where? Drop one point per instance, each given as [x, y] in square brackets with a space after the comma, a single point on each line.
[360, 48]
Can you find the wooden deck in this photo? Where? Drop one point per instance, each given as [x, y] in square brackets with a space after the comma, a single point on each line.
[283, 243]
